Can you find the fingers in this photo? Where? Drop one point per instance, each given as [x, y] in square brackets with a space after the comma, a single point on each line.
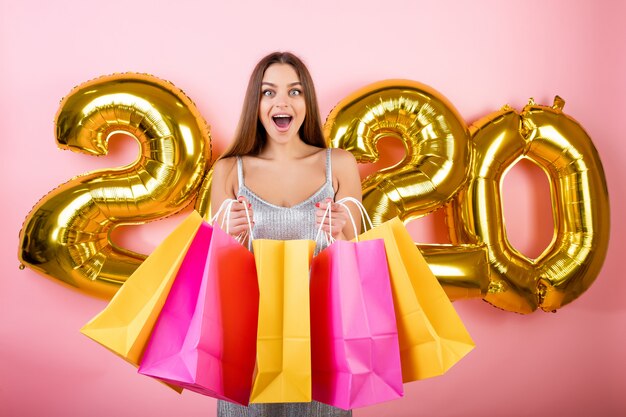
[334, 207]
[237, 221]
[237, 230]
[240, 210]
[331, 216]
[336, 211]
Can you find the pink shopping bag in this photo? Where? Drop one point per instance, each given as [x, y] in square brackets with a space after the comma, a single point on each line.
[205, 337]
[432, 336]
[355, 355]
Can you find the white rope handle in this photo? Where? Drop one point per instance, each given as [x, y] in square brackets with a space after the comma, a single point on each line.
[219, 211]
[327, 212]
[227, 216]
[328, 236]
[359, 205]
[356, 233]
[227, 205]
[245, 207]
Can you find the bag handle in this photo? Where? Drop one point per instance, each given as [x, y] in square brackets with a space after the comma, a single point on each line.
[359, 205]
[356, 233]
[219, 211]
[329, 237]
[227, 205]
[242, 236]
[327, 212]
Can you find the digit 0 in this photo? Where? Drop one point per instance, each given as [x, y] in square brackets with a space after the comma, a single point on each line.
[560, 146]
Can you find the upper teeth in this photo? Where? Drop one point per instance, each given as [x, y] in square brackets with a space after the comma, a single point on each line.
[282, 115]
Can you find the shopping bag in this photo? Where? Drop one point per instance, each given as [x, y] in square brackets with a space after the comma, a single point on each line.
[283, 362]
[432, 335]
[205, 338]
[124, 326]
[354, 341]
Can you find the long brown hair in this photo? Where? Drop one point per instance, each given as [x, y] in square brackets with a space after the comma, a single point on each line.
[251, 137]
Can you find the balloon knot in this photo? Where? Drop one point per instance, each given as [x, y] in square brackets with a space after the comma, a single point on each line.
[22, 266]
[547, 298]
[526, 127]
[559, 103]
[496, 287]
[542, 290]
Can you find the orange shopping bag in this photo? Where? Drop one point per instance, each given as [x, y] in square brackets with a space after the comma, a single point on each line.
[125, 325]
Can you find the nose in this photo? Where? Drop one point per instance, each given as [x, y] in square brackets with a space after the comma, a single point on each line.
[282, 99]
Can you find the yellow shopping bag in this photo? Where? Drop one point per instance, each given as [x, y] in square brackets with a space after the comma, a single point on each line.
[283, 359]
[125, 325]
[431, 334]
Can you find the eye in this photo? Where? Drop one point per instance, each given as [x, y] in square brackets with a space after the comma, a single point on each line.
[295, 92]
[267, 93]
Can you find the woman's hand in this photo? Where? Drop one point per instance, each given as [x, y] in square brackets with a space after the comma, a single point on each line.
[237, 223]
[338, 218]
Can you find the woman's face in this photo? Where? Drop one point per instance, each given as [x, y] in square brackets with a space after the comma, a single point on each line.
[282, 107]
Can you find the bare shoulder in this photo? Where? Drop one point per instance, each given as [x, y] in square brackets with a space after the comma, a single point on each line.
[223, 167]
[346, 179]
[224, 179]
[342, 159]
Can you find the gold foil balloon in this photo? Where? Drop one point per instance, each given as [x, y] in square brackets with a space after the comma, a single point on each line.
[436, 165]
[203, 202]
[66, 235]
[462, 270]
[560, 146]
[436, 139]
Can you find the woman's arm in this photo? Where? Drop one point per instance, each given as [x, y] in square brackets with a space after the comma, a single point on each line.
[223, 187]
[347, 183]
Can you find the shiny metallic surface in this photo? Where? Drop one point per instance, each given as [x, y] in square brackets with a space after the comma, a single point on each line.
[66, 235]
[560, 146]
[435, 137]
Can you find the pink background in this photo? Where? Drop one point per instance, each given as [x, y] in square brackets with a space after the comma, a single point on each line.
[480, 55]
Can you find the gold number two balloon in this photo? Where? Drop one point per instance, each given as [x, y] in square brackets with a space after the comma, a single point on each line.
[435, 166]
[435, 137]
[66, 235]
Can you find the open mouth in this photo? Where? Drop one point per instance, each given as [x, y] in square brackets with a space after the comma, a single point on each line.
[282, 121]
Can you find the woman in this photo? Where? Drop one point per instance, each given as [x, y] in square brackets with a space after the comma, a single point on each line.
[280, 168]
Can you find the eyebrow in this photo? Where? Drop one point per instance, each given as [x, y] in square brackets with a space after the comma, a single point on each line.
[274, 85]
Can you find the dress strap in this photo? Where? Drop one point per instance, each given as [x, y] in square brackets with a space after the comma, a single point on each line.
[240, 171]
[329, 170]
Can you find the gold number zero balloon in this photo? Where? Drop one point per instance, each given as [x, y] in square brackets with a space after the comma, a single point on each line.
[435, 137]
[462, 270]
[560, 146]
[66, 235]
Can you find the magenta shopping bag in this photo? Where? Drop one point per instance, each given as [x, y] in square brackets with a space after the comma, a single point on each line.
[355, 356]
[205, 337]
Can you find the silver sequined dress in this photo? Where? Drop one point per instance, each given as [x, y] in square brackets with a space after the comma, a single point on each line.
[276, 222]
